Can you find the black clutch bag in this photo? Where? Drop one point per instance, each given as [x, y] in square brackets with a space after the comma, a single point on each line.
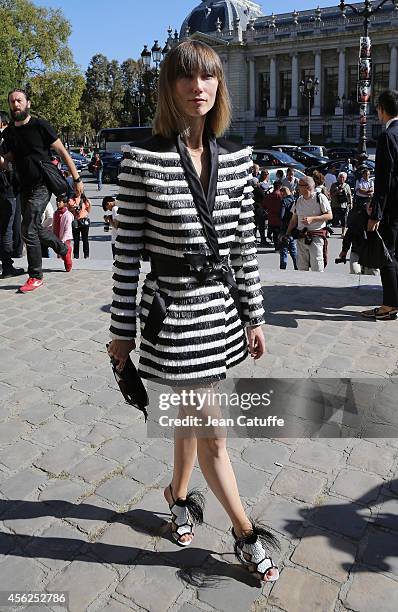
[131, 386]
[374, 253]
[53, 178]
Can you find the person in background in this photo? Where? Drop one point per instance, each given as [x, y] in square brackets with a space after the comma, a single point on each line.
[62, 223]
[98, 167]
[80, 207]
[255, 174]
[384, 204]
[109, 206]
[355, 238]
[272, 204]
[341, 201]
[330, 178]
[47, 223]
[27, 141]
[319, 181]
[280, 175]
[364, 188]
[310, 215]
[291, 182]
[264, 182]
[288, 243]
[7, 214]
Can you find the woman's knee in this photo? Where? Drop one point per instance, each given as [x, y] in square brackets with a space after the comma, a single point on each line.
[215, 447]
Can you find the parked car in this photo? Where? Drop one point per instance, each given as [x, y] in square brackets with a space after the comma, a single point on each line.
[79, 159]
[269, 158]
[308, 159]
[273, 170]
[342, 153]
[317, 150]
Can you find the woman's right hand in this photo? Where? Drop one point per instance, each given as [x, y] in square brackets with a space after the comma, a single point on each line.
[120, 350]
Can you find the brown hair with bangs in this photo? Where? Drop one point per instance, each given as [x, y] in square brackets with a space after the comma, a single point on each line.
[185, 59]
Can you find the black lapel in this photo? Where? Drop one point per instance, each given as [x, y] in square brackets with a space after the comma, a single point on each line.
[203, 205]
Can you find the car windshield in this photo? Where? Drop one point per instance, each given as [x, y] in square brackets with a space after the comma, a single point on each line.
[283, 157]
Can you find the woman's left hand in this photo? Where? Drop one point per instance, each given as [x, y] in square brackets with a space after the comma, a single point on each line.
[256, 341]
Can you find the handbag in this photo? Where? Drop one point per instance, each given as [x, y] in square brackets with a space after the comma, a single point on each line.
[53, 178]
[85, 222]
[131, 385]
[374, 253]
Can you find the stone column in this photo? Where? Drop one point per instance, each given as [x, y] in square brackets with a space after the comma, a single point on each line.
[316, 111]
[393, 67]
[341, 84]
[293, 112]
[272, 85]
[252, 88]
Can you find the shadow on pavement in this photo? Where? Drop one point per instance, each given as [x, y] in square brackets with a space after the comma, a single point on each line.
[195, 566]
[350, 520]
[283, 303]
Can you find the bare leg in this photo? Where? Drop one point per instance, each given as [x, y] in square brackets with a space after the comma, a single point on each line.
[185, 451]
[216, 467]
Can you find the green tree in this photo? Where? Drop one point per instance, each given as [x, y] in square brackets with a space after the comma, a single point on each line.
[96, 99]
[131, 74]
[56, 97]
[32, 40]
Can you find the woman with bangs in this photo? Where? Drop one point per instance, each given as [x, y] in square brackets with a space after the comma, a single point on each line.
[186, 202]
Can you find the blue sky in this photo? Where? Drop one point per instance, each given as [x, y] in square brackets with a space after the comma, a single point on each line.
[120, 28]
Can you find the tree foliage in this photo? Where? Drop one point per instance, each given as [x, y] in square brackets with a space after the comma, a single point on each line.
[33, 40]
[57, 96]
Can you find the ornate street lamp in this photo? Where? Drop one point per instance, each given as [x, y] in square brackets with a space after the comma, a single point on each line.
[146, 56]
[156, 54]
[365, 63]
[139, 99]
[308, 90]
[340, 103]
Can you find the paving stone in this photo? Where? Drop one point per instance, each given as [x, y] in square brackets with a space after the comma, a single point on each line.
[101, 432]
[359, 486]
[38, 413]
[11, 431]
[118, 449]
[61, 492]
[277, 513]
[84, 414]
[54, 432]
[22, 519]
[346, 518]
[316, 456]
[145, 470]
[371, 458]
[265, 453]
[60, 459]
[325, 553]
[20, 574]
[69, 398]
[24, 483]
[126, 544]
[154, 588]
[58, 545]
[230, 594]
[370, 591]
[84, 581]
[119, 490]
[94, 468]
[92, 514]
[298, 591]
[381, 552]
[115, 606]
[5, 391]
[387, 514]
[19, 454]
[89, 385]
[301, 485]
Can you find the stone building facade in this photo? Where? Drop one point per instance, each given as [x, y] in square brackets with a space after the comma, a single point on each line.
[266, 57]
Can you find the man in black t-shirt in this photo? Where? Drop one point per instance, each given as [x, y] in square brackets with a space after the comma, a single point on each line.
[8, 206]
[27, 141]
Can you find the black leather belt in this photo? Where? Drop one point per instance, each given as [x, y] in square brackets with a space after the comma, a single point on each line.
[201, 266]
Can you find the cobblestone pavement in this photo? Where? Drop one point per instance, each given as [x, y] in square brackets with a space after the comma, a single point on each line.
[81, 485]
